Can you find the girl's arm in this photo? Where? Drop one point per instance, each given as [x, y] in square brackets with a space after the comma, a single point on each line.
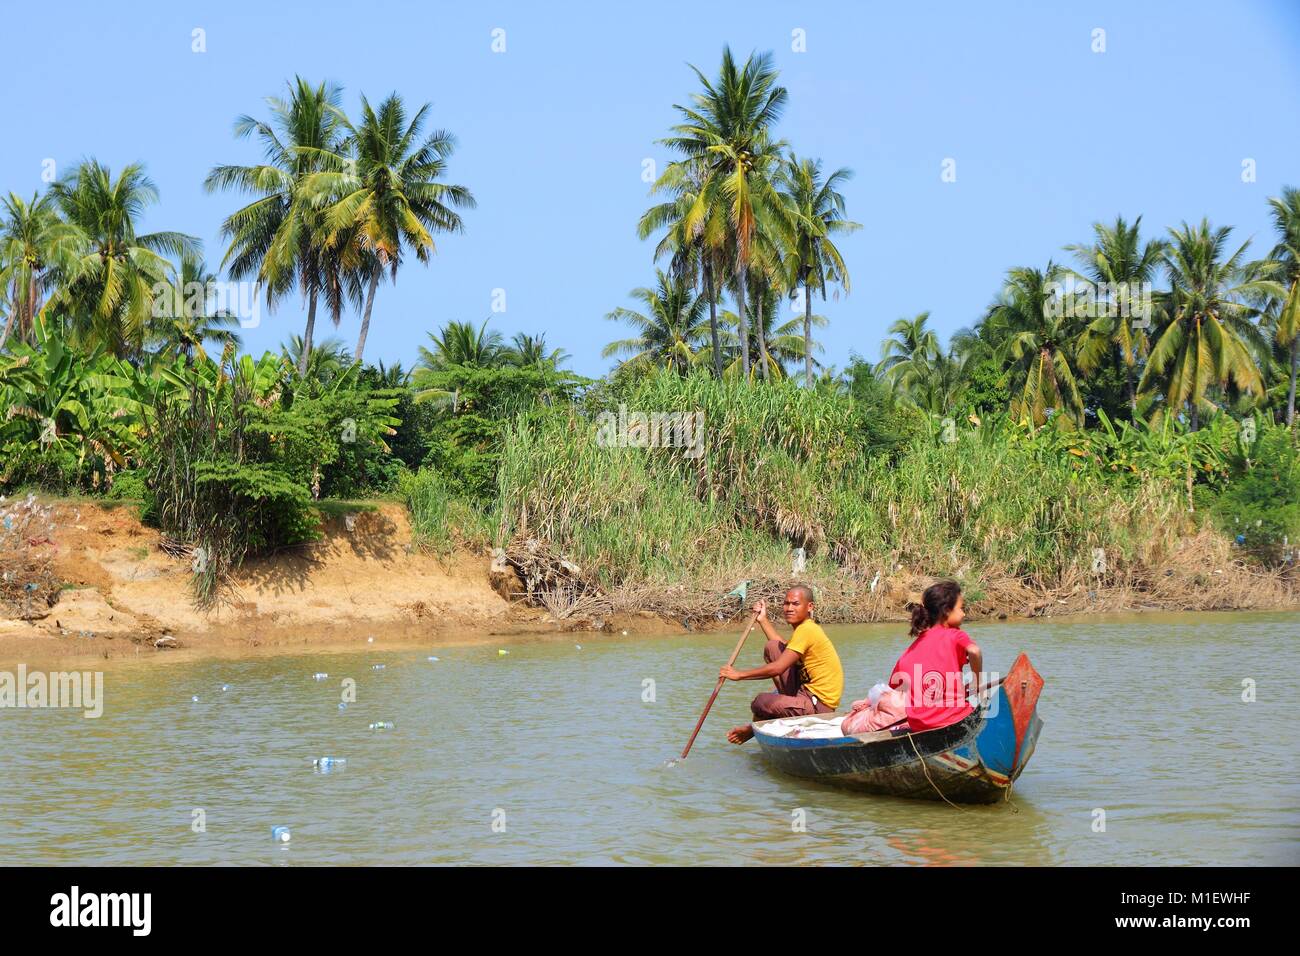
[975, 657]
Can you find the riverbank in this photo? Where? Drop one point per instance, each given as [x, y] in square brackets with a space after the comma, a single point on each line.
[116, 591]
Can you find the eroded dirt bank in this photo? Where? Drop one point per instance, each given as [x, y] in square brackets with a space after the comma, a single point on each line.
[122, 594]
[115, 591]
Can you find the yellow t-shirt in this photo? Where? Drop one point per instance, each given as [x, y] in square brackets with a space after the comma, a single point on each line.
[822, 673]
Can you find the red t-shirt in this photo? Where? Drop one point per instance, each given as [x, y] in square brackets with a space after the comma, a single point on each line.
[933, 667]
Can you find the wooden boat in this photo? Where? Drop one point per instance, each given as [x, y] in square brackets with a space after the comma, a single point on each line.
[975, 760]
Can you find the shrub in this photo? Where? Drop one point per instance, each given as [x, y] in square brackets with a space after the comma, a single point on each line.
[129, 486]
[229, 469]
[1261, 507]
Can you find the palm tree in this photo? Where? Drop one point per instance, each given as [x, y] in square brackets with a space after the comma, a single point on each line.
[671, 330]
[764, 277]
[1285, 257]
[280, 237]
[695, 244]
[1119, 263]
[725, 133]
[183, 318]
[391, 376]
[908, 344]
[936, 384]
[389, 192]
[33, 240]
[529, 351]
[326, 361]
[783, 344]
[1037, 340]
[106, 290]
[1208, 335]
[816, 212]
[459, 343]
[918, 370]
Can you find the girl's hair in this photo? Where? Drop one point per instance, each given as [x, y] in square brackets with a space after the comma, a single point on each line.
[936, 603]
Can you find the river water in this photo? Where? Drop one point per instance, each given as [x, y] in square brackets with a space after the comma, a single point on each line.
[553, 753]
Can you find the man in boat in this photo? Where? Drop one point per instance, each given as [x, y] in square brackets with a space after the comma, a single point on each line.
[806, 670]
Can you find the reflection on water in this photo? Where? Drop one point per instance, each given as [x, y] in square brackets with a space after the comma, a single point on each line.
[551, 755]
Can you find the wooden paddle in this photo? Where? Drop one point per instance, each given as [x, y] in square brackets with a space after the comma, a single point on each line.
[721, 680]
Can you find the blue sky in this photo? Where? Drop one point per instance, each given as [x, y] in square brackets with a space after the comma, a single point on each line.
[1048, 136]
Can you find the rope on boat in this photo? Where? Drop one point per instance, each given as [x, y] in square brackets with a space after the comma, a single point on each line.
[1011, 786]
[926, 770]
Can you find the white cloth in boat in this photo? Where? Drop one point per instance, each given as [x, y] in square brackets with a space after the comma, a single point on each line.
[818, 727]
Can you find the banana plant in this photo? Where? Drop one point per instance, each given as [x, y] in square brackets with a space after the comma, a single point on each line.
[78, 406]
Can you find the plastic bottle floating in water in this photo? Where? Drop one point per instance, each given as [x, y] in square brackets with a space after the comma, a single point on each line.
[433, 658]
[377, 667]
[328, 763]
[280, 834]
[382, 725]
[319, 676]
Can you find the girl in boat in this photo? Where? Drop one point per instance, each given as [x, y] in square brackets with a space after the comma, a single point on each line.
[930, 671]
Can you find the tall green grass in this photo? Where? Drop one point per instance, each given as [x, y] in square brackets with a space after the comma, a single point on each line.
[439, 520]
[784, 467]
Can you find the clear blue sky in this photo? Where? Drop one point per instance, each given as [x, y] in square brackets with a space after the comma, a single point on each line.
[1047, 135]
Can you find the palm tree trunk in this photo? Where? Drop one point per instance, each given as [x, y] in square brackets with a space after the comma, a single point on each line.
[713, 319]
[15, 314]
[25, 329]
[1129, 388]
[762, 338]
[365, 318]
[744, 322]
[807, 333]
[9, 322]
[1196, 415]
[306, 336]
[1290, 395]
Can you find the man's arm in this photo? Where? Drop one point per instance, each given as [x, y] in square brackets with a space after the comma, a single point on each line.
[778, 667]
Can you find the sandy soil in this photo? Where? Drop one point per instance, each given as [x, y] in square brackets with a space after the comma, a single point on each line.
[124, 595]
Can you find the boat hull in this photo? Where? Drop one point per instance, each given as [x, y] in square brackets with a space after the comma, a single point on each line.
[975, 760]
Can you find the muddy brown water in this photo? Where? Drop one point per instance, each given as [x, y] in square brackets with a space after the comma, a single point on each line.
[551, 754]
